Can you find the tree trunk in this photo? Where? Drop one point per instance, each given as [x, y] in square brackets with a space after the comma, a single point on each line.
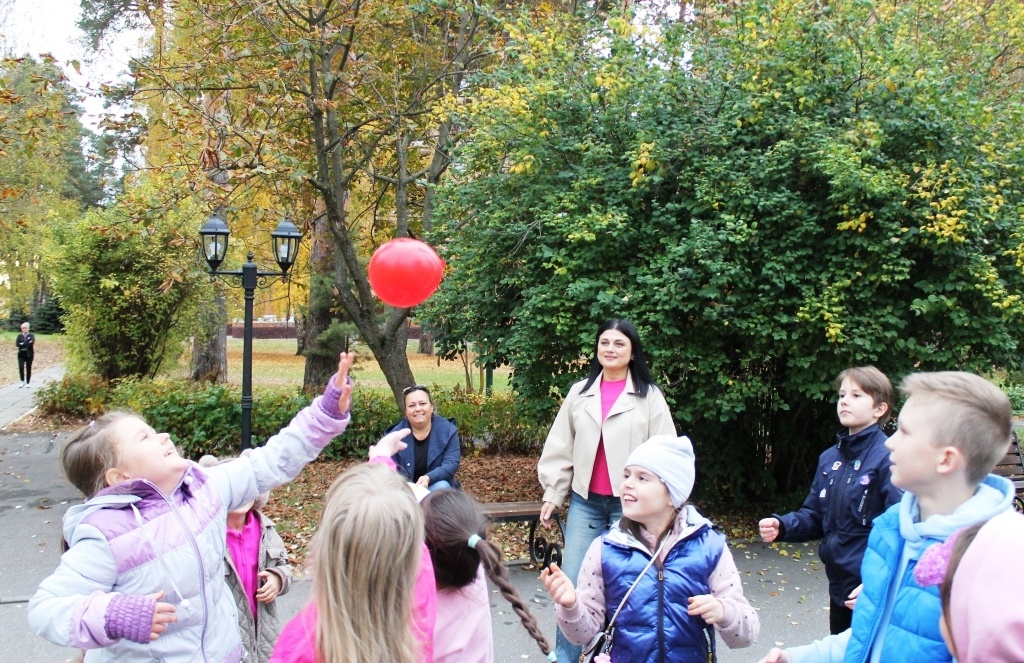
[426, 346]
[210, 345]
[321, 362]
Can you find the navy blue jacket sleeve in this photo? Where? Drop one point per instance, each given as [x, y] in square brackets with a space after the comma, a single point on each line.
[445, 468]
[805, 524]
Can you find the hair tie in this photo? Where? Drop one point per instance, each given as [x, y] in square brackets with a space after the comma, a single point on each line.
[473, 540]
[552, 656]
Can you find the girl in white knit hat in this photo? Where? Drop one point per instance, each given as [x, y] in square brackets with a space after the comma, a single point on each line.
[662, 576]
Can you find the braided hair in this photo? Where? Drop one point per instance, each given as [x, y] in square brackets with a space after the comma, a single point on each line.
[452, 519]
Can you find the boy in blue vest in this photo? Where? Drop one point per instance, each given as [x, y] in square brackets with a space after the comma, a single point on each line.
[851, 487]
[953, 429]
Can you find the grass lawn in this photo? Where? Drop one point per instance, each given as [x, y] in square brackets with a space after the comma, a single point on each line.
[274, 363]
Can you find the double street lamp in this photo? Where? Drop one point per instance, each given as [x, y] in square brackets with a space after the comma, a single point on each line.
[285, 239]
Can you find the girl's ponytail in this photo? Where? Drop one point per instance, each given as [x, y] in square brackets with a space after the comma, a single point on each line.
[490, 557]
[456, 534]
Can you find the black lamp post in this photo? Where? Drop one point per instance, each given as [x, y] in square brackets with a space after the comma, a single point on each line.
[215, 246]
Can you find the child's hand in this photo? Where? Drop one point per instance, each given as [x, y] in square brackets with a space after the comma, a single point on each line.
[162, 616]
[341, 380]
[270, 587]
[851, 601]
[776, 655]
[423, 481]
[559, 586]
[769, 529]
[390, 444]
[707, 607]
[602, 658]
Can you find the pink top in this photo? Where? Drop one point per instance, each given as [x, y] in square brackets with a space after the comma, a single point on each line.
[462, 632]
[297, 642]
[244, 546]
[600, 481]
[985, 627]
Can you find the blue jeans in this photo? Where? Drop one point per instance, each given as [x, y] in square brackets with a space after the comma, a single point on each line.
[588, 518]
[438, 485]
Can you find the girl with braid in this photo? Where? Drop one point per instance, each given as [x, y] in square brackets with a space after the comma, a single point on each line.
[456, 531]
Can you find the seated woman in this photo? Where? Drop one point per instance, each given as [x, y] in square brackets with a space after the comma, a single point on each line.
[432, 456]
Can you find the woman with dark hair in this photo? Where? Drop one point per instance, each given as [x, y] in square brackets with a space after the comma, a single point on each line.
[433, 454]
[614, 410]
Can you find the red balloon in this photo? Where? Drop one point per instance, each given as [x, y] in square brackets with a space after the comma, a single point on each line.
[405, 272]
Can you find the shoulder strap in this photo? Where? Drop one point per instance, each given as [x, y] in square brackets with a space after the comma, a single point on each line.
[633, 586]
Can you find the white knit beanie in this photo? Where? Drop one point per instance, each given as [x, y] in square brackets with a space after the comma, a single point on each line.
[672, 460]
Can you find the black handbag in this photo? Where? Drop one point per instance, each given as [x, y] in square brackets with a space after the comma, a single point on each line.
[602, 642]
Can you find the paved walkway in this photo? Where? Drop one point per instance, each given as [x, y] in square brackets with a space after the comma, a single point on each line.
[17, 401]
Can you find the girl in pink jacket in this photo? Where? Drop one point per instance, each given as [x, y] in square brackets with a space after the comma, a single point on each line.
[373, 583]
[456, 531]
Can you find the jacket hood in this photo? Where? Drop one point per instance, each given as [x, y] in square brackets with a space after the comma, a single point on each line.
[77, 513]
[993, 496]
[120, 496]
[688, 521]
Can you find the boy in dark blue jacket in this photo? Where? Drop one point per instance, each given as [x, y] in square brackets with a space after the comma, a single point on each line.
[851, 487]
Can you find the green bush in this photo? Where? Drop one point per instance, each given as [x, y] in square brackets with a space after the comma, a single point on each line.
[205, 418]
[74, 397]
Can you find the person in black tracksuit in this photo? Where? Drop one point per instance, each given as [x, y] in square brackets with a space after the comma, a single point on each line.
[26, 343]
[850, 488]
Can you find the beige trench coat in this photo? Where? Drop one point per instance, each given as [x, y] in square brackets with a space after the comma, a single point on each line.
[567, 461]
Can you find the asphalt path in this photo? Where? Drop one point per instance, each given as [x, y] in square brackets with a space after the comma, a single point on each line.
[785, 583]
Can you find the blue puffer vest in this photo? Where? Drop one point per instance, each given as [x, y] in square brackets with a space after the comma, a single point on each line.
[653, 624]
[912, 634]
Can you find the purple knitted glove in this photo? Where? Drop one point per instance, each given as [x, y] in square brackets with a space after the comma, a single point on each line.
[329, 401]
[130, 617]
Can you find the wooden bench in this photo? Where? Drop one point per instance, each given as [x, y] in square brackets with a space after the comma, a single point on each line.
[1011, 466]
[542, 552]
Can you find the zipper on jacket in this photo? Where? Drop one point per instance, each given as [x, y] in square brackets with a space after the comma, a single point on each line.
[661, 614]
[202, 575]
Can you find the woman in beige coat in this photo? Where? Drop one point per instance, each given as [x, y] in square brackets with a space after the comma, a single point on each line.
[603, 418]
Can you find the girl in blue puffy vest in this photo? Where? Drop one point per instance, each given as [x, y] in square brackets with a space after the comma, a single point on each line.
[689, 591]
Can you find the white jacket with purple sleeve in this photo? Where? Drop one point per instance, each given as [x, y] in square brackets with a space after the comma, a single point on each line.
[133, 540]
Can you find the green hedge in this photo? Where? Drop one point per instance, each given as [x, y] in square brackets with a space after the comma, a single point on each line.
[206, 418]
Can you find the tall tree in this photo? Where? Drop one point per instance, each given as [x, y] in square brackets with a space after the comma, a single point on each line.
[41, 175]
[358, 82]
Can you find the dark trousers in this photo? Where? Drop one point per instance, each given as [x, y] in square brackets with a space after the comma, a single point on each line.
[25, 368]
[839, 618]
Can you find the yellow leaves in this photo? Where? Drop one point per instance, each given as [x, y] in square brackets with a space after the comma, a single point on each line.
[643, 165]
[857, 224]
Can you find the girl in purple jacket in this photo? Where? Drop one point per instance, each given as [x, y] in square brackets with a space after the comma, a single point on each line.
[143, 577]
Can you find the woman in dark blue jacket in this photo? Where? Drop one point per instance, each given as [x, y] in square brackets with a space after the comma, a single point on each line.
[432, 456]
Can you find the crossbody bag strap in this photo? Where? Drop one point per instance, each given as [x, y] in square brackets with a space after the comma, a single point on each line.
[633, 586]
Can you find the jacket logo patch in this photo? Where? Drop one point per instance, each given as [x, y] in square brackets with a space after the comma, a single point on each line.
[865, 480]
[836, 465]
[856, 465]
[822, 493]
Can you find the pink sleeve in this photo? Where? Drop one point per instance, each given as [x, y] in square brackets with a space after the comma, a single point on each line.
[385, 460]
[740, 625]
[297, 641]
[584, 620]
[424, 607]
